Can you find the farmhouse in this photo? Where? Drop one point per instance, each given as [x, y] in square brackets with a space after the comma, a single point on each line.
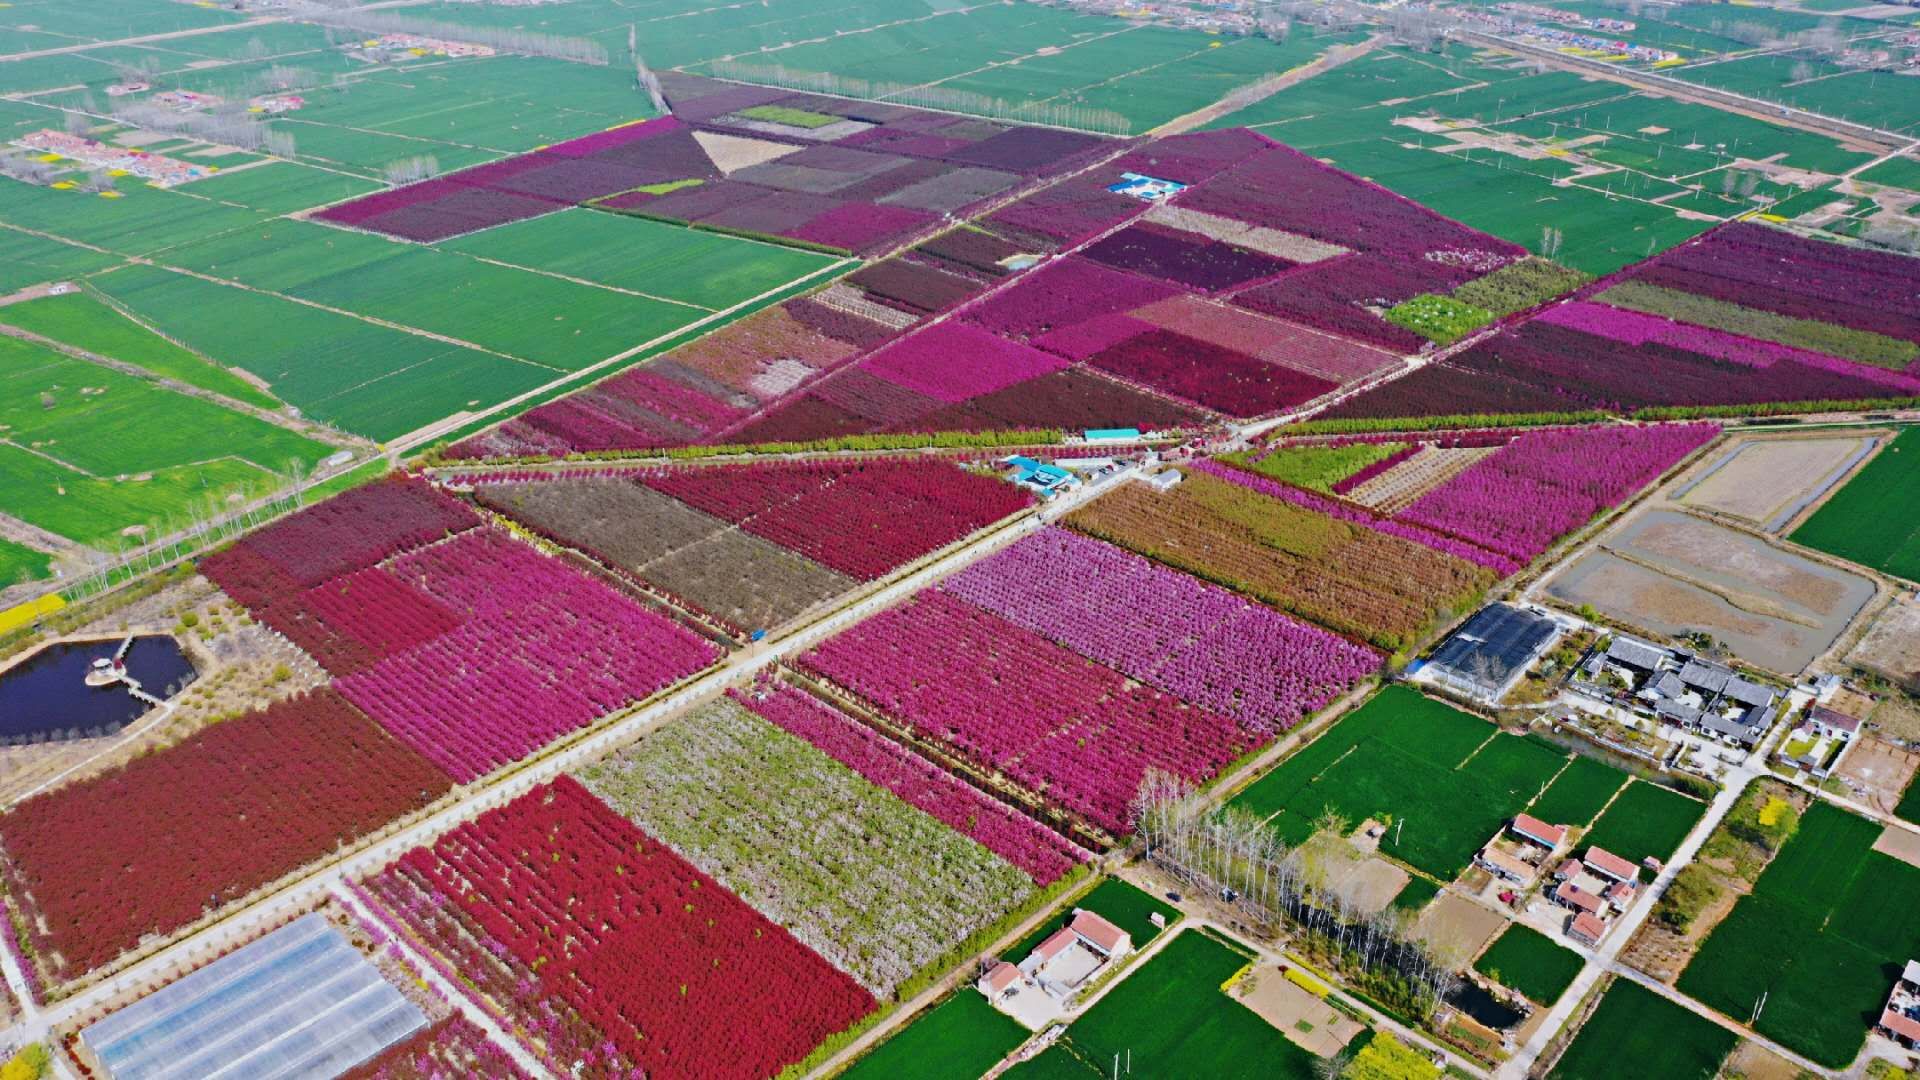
[1685, 691]
[1532, 829]
[1505, 865]
[1608, 865]
[1595, 888]
[1035, 990]
[1587, 930]
[1900, 1020]
[1828, 724]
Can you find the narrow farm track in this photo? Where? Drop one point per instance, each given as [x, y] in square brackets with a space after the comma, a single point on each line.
[318, 882]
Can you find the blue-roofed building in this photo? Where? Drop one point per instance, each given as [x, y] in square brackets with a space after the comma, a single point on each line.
[1112, 434]
[299, 1002]
[1046, 479]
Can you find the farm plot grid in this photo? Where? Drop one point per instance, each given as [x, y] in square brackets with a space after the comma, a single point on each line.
[1053, 623]
[754, 546]
[1073, 306]
[875, 885]
[1813, 949]
[468, 645]
[604, 946]
[1446, 780]
[1747, 319]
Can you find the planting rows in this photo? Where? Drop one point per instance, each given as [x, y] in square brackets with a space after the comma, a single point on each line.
[1744, 318]
[1499, 498]
[1038, 851]
[606, 948]
[476, 650]
[1010, 701]
[701, 561]
[876, 886]
[146, 849]
[544, 650]
[1196, 641]
[1370, 579]
[1252, 291]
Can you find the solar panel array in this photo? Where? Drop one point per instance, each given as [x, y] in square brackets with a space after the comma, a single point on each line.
[299, 1002]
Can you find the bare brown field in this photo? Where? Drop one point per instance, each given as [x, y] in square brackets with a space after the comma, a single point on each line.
[1762, 479]
[1892, 646]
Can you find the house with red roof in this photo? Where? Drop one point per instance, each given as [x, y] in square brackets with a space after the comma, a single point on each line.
[1587, 929]
[1533, 830]
[1608, 865]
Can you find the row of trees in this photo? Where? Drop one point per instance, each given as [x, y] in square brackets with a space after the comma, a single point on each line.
[227, 125]
[1229, 852]
[1059, 114]
[500, 39]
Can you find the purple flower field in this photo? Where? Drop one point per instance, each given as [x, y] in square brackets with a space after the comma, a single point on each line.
[1197, 641]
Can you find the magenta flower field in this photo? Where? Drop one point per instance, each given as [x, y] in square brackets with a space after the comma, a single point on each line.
[1544, 485]
[543, 651]
[1073, 731]
[1198, 642]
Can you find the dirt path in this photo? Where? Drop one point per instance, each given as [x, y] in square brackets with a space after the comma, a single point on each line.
[1266, 88]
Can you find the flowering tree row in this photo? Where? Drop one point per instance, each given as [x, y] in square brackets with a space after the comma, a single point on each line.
[1344, 575]
[1543, 485]
[864, 519]
[1638, 329]
[453, 1047]
[150, 846]
[1774, 270]
[613, 951]
[1358, 515]
[357, 528]
[1037, 850]
[543, 651]
[1080, 734]
[1196, 641]
[866, 880]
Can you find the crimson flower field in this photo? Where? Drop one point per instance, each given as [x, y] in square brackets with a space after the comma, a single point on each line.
[149, 847]
[609, 949]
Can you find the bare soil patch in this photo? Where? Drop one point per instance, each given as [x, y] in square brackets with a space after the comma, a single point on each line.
[1458, 928]
[1309, 1022]
[1891, 647]
[1765, 477]
[1902, 844]
[1877, 772]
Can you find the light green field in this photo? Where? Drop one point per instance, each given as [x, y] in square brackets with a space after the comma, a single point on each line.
[530, 316]
[281, 187]
[88, 451]
[1341, 116]
[361, 377]
[84, 322]
[652, 257]
[26, 259]
[19, 563]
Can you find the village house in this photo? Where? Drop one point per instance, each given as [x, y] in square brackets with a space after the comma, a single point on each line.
[1900, 1020]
